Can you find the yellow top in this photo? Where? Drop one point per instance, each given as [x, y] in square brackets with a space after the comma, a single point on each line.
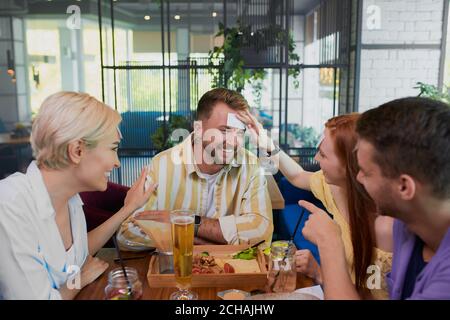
[383, 259]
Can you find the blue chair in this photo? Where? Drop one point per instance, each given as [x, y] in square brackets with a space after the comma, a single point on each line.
[2, 126]
[286, 219]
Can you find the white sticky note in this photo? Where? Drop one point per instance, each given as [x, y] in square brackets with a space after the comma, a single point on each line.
[234, 122]
[148, 179]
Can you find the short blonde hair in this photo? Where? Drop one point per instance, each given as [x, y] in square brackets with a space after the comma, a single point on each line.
[65, 117]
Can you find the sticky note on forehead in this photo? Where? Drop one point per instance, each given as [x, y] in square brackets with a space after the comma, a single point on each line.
[234, 122]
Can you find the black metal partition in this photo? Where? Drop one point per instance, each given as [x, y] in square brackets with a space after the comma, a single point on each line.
[150, 93]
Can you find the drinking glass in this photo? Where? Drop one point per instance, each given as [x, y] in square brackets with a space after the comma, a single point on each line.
[282, 276]
[182, 222]
[121, 287]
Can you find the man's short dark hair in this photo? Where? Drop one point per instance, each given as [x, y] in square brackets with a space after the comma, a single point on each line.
[207, 102]
[411, 136]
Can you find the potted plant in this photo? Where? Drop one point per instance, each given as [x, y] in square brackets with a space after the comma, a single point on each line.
[175, 122]
[241, 47]
[433, 92]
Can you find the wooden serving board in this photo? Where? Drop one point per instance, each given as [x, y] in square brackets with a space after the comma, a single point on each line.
[230, 280]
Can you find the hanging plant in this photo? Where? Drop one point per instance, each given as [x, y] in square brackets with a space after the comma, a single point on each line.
[231, 72]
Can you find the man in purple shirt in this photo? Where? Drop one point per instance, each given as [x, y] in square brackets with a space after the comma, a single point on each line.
[403, 153]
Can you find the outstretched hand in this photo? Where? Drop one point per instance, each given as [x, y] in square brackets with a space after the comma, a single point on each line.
[319, 227]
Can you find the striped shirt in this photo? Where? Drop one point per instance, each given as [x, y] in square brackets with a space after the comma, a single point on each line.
[241, 199]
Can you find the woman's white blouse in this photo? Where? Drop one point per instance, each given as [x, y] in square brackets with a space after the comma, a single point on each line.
[33, 261]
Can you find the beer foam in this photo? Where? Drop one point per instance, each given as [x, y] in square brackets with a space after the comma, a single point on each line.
[182, 220]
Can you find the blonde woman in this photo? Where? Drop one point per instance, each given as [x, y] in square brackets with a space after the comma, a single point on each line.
[43, 235]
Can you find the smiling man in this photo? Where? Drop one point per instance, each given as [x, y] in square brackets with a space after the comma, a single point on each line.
[211, 173]
[404, 158]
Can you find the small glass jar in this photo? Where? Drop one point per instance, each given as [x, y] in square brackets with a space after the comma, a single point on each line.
[282, 276]
[119, 288]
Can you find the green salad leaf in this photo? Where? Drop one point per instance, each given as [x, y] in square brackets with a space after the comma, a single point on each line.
[248, 254]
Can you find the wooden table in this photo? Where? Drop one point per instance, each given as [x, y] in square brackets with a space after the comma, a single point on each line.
[6, 139]
[95, 291]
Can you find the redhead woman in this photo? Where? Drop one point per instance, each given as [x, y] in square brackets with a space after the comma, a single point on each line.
[367, 239]
[43, 235]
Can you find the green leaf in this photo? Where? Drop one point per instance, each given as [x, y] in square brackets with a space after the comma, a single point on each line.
[433, 92]
[232, 70]
[248, 254]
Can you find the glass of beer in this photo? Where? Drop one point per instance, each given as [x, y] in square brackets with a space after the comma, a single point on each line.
[182, 222]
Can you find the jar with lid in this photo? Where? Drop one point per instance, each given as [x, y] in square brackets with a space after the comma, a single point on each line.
[119, 288]
[282, 276]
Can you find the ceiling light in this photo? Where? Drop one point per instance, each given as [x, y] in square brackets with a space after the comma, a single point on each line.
[214, 14]
[146, 17]
[177, 17]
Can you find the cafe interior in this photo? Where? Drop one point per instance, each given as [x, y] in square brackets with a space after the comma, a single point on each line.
[297, 63]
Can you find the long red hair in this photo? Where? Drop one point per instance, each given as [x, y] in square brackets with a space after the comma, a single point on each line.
[361, 208]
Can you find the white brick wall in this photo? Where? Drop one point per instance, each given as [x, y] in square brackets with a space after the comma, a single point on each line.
[405, 21]
[391, 74]
[388, 74]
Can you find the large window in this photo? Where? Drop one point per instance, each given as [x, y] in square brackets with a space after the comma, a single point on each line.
[155, 61]
[155, 66]
[43, 61]
[149, 60]
[59, 57]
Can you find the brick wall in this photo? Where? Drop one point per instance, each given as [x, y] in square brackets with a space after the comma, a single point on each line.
[403, 49]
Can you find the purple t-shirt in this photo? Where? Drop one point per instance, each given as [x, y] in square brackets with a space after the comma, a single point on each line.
[434, 280]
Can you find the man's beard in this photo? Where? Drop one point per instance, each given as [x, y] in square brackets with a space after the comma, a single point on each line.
[386, 207]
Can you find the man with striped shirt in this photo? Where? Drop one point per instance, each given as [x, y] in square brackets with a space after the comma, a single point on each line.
[211, 173]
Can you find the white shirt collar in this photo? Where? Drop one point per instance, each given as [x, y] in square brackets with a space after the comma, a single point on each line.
[43, 201]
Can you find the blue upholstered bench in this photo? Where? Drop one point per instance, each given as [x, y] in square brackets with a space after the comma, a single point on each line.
[137, 127]
[285, 220]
